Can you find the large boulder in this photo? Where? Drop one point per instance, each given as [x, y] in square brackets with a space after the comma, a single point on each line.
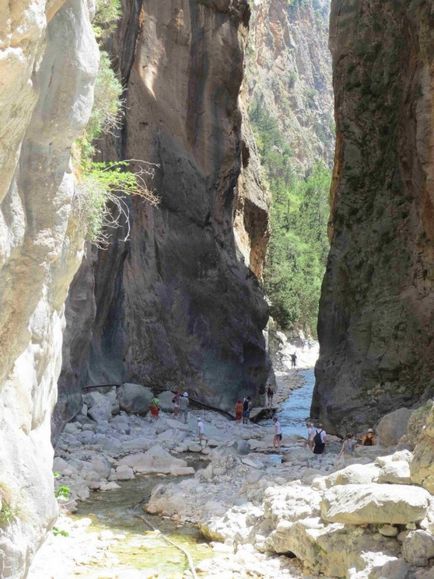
[291, 503]
[392, 426]
[395, 468]
[353, 474]
[375, 504]
[422, 466]
[418, 547]
[134, 398]
[165, 399]
[156, 461]
[99, 406]
[332, 549]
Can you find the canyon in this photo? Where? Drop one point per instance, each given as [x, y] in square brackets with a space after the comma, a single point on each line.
[175, 300]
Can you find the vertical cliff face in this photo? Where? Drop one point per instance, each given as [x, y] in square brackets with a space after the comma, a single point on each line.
[177, 305]
[289, 72]
[377, 306]
[48, 61]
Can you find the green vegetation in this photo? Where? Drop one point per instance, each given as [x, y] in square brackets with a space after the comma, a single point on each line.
[8, 512]
[62, 492]
[59, 532]
[103, 187]
[298, 245]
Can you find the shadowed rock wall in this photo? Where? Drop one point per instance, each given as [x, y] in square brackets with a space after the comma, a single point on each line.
[178, 305]
[377, 305]
[48, 63]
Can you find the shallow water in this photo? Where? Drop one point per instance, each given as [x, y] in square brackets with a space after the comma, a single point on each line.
[295, 410]
[135, 547]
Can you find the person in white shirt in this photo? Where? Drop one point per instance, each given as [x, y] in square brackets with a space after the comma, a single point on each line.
[277, 440]
[201, 431]
[310, 435]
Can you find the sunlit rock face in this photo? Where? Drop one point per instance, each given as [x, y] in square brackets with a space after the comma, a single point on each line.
[179, 304]
[48, 62]
[289, 71]
[377, 305]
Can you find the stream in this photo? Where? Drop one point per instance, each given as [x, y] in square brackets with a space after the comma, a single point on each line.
[295, 410]
[133, 549]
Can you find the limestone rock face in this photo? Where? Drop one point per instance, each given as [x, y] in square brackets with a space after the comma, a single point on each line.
[179, 303]
[374, 503]
[422, 466]
[48, 63]
[289, 72]
[376, 310]
[392, 426]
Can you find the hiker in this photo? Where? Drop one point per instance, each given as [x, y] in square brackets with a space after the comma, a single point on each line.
[277, 440]
[319, 440]
[368, 439]
[238, 410]
[310, 435]
[201, 431]
[175, 402]
[154, 407]
[270, 394]
[348, 446]
[183, 406]
[246, 409]
[293, 360]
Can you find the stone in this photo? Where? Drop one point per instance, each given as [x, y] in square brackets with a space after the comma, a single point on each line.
[100, 407]
[290, 503]
[101, 466]
[243, 447]
[124, 472]
[418, 548]
[109, 486]
[165, 399]
[134, 398]
[353, 474]
[395, 468]
[393, 426]
[394, 569]
[156, 460]
[374, 504]
[388, 531]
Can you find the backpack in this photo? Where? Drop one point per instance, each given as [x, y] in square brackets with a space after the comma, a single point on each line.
[317, 438]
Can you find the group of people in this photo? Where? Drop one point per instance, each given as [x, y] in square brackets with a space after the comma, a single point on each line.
[242, 409]
[316, 440]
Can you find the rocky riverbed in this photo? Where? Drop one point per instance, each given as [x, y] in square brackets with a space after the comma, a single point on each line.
[252, 506]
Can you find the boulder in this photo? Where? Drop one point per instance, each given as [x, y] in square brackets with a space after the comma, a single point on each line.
[124, 472]
[422, 465]
[332, 549]
[156, 460]
[243, 447]
[134, 398]
[395, 468]
[374, 504]
[418, 548]
[393, 569]
[101, 466]
[99, 407]
[165, 399]
[353, 474]
[290, 503]
[392, 426]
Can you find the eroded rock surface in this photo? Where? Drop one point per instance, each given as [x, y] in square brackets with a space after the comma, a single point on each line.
[48, 63]
[376, 311]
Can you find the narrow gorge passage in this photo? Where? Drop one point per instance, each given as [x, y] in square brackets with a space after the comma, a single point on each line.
[193, 192]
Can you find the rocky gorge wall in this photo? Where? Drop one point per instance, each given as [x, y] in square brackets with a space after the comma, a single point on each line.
[178, 304]
[289, 71]
[377, 304]
[48, 63]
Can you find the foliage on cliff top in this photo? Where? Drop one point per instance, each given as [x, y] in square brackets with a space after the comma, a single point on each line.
[298, 246]
[103, 186]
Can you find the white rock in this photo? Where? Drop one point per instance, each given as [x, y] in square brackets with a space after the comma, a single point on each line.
[353, 474]
[110, 486]
[100, 407]
[124, 472]
[392, 426]
[388, 531]
[374, 503]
